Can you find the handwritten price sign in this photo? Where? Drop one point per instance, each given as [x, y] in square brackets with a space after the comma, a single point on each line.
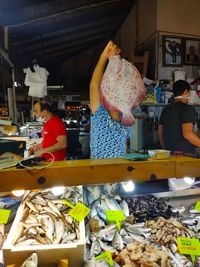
[189, 246]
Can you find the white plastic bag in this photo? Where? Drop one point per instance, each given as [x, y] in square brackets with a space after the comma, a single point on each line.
[194, 98]
[179, 184]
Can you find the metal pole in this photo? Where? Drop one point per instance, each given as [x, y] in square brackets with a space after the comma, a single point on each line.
[10, 103]
[6, 37]
[14, 96]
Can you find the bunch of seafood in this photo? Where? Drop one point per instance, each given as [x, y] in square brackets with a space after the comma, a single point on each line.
[192, 222]
[45, 219]
[111, 239]
[148, 207]
[142, 255]
[165, 231]
[150, 225]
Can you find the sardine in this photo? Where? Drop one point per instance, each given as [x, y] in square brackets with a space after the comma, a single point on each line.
[124, 207]
[101, 214]
[53, 207]
[107, 247]
[31, 206]
[59, 229]
[31, 219]
[39, 201]
[117, 241]
[69, 237]
[134, 230]
[112, 204]
[48, 209]
[95, 249]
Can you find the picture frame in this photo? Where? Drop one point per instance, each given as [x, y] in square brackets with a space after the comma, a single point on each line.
[172, 51]
[192, 51]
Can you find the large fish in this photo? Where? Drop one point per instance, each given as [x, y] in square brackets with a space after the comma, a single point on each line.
[122, 88]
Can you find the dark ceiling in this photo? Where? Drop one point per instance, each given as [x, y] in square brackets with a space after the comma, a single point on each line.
[66, 36]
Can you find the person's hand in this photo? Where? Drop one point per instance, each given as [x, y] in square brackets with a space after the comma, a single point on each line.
[34, 148]
[111, 49]
[39, 153]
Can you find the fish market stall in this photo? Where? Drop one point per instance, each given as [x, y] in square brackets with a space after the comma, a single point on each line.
[44, 232]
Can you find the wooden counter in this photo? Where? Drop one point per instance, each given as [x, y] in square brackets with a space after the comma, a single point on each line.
[80, 172]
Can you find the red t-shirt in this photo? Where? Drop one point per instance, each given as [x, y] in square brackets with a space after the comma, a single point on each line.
[51, 130]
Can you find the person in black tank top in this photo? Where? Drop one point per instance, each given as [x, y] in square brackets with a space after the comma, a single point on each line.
[175, 130]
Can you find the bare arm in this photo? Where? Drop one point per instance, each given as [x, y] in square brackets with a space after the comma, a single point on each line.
[61, 144]
[189, 135]
[160, 135]
[110, 50]
[95, 83]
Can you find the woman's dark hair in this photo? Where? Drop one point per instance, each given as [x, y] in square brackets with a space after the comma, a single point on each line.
[179, 87]
[46, 106]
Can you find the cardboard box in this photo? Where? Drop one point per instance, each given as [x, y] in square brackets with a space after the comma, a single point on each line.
[48, 255]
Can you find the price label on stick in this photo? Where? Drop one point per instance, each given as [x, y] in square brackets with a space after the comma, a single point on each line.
[67, 203]
[116, 216]
[189, 246]
[107, 256]
[4, 216]
[197, 206]
[79, 212]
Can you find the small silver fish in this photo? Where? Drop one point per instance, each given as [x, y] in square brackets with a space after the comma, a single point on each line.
[95, 249]
[117, 241]
[31, 206]
[112, 204]
[107, 247]
[53, 207]
[69, 237]
[180, 209]
[134, 230]
[60, 229]
[124, 207]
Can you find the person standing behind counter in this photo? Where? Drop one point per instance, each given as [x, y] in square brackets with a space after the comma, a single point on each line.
[54, 138]
[108, 136]
[175, 130]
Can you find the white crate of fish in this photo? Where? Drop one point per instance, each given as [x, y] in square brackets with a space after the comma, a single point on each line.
[42, 224]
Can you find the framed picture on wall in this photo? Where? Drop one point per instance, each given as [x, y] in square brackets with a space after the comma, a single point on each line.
[172, 51]
[191, 51]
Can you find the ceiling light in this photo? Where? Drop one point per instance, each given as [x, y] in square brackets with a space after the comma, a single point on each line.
[128, 186]
[58, 190]
[18, 193]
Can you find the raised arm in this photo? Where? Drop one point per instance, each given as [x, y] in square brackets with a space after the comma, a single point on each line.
[110, 50]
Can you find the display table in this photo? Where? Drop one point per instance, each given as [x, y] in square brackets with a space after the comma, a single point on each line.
[81, 172]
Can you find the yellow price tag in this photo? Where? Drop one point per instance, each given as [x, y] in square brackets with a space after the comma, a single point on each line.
[115, 216]
[4, 216]
[189, 246]
[67, 203]
[107, 256]
[79, 212]
[197, 206]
